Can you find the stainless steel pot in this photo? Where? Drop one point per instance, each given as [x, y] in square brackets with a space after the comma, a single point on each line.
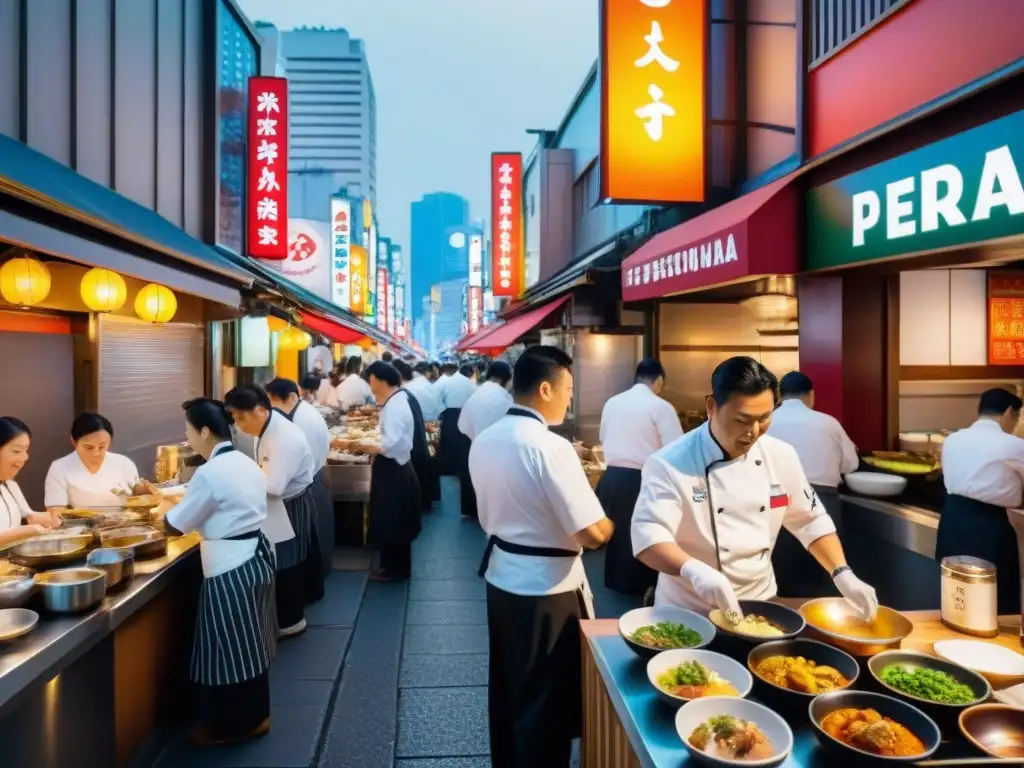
[118, 564]
[16, 590]
[70, 590]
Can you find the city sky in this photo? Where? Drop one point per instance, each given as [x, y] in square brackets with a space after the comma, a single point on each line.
[455, 80]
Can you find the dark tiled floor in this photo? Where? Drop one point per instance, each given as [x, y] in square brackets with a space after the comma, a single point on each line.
[436, 671]
[442, 722]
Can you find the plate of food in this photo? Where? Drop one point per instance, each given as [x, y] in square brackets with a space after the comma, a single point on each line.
[142, 502]
[662, 628]
[683, 675]
[863, 724]
[760, 622]
[719, 731]
[792, 672]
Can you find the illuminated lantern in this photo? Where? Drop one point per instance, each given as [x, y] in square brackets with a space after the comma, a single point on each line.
[24, 281]
[304, 340]
[291, 339]
[365, 343]
[276, 324]
[103, 290]
[156, 304]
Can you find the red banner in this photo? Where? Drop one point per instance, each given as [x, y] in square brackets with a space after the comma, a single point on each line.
[507, 223]
[267, 191]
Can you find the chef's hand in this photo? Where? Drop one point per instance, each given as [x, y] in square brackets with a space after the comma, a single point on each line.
[45, 520]
[858, 594]
[711, 586]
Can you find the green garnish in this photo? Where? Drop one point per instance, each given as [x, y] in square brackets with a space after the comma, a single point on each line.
[723, 726]
[931, 684]
[666, 634]
[687, 673]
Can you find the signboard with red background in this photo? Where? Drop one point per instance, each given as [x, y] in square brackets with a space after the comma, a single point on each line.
[507, 223]
[1006, 318]
[267, 198]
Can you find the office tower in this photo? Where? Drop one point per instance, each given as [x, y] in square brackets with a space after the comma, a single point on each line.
[432, 218]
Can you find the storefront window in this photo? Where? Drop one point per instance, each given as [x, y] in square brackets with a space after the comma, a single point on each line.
[237, 63]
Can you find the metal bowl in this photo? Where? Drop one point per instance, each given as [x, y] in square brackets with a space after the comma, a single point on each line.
[78, 534]
[143, 544]
[15, 622]
[910, 717]
[835, 620]
[47, 553]
[995, 729]
[118, 564]
[16, 590]
[70, 590]
[820, 653]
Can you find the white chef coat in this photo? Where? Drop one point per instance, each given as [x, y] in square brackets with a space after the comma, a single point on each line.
[13, 507]
[353, 390]
[488, 403]
[70, 484]
[752, 497]
[397, 428]
[457, 391]
[323, 392]
[287, 462]
[308, 419]
[226, 496]
[531, 490]
[985, 464]
[439, 387]
[635, 424]
[824, 448]
[426, 395]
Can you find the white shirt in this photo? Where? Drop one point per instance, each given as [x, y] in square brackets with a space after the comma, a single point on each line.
[824, 448]
[531, 490]
[324, 393]
[397, 428]
[752, 497]
[985, 464]
[635, 424]
[13, 507]
[308, 419]
[287, 462]
[70, 484]
[439, 387]
[426, 395]
[225, 497]
[353, 390]
[485, 406]
[457, 391]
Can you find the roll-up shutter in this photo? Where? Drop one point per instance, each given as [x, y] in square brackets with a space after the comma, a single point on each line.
[146, 372]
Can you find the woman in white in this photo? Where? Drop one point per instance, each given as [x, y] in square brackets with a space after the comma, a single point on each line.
[17, 520]
[353, 390]
[236, 628]
[91, 476]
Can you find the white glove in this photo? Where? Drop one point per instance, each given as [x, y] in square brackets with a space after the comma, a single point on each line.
[711, 586]
[858, 594]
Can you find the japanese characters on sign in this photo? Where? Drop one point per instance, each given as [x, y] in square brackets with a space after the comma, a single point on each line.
[399, 301]
[358, 279]
[372, 296]
[267, 200]
[653, 100]
[1006, 318]
[382, 298]
[465, 309]
[391, 320]
[507, 223]
[341, 243]
[476, 308]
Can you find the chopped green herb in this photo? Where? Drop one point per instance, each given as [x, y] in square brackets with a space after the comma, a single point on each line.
[688, 673]
[666, 634]
[931, 684]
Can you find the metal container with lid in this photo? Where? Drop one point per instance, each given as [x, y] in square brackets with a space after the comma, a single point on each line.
[969, 596]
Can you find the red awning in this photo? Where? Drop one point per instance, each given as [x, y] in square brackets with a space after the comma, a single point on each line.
[510, 331]
[468, 341]
[332, 330]
[753, 236]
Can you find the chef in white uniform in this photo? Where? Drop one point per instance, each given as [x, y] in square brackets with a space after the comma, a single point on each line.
[423, 390]
[711, 504]
[91, 476]
[285, 458]
[17, 520]
[538, 511]
[488, 403]
[453, 446]
[236, 627]
[353, 389]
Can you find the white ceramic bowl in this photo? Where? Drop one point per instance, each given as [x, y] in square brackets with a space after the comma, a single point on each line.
[999, 665]
[728, 669]
[877, 484]
[775, 728]
[631, 621]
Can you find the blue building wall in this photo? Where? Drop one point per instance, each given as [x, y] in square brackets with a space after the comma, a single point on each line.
[432, 217]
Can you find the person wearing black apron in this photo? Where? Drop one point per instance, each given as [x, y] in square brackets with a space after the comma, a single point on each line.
[539, 512]
[453, 448]
[394, 489]
[826, 453]
[485, 406]
[283, 454]
[983, 469]
[634, 424]
[236, 626]
[426, 475]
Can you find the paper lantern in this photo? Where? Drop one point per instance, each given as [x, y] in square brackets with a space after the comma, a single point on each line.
[276, 324]
[156, 304]
[305, 340]
[24, 281]
[365, 343]
[103, 290]
[289, 339]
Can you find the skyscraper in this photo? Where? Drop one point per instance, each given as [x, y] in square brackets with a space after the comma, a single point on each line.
[432, 218]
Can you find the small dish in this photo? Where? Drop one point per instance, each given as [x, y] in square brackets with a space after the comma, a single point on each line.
[996, 663]
[786, 619]
[698, 711]
[812, 650]
[15, 622]
[995, 729]
[633, 620]
[910, 717]
[728, 669]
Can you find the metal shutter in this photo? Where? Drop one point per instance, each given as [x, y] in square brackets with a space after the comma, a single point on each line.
[146, 372]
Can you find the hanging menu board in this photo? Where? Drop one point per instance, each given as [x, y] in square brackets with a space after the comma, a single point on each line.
[1006, 318]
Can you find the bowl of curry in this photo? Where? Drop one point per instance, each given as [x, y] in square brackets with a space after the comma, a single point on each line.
[789, 673]
[859, 724]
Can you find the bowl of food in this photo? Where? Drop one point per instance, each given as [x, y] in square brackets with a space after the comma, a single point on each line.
[995, 729]
[792, 672]
[79, 514]
[1000, 666]
[78, 534]
[47, 553]
[649, 631]
[940, 688]
[871, 725]
[723, 731]
[143, 502]
[762, 621]
[683, 675]
[877, 484]
[835, 621]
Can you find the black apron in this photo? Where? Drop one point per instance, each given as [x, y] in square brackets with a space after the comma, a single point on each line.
[450, 444]
[978, 529]
[394, 499]
[617, 491]
[797, 573]
[421, 461]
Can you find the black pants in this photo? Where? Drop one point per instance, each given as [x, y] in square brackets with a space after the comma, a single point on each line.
[467, 494]
[534, 689]
[235, 710]
[797, 573]
[290, 593]
[397, 561]
[618, 491]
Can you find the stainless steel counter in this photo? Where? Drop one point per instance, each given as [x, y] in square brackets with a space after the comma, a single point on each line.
[348, 482]
[910, 528]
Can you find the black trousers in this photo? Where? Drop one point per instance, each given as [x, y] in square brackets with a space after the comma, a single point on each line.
[467, 494]
[617, 491]
[397, 561]
[290, 592]
[797, 573]
[534, 689]
[235, 710]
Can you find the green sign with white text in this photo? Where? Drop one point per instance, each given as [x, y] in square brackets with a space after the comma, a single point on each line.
[961, 190]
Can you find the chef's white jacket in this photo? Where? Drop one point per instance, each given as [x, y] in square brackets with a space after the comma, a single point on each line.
[635, 424]
[985, 464]
[226, 496]
[439, 386]
[287, 462]
[70, 484]
[488, 403]
[457, 391]
[397, 428]
[324, 393]
[308, 419]
[353, 391]
[751, 498]
[426, 395]
[825, 450]
[14, 509]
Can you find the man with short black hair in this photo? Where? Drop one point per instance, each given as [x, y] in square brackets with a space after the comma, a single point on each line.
[310, 387]
[983, 469]
[387, 357]
[488, 403]
[539, 512]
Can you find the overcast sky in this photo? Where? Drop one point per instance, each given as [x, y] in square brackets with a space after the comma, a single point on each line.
[455, 80]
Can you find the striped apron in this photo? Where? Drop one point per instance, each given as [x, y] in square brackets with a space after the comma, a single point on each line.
[236, 629]
[302, 514]
[321, 520]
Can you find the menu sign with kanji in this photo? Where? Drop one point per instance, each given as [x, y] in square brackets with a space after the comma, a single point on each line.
[341, 242]
[382, 298]
[1006, 318]
[358, 279]
[267, 199]
[507, 223]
